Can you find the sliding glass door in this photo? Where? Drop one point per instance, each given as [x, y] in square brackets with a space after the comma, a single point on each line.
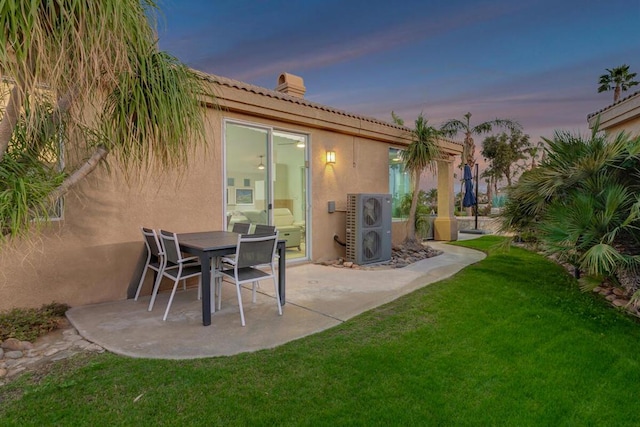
[266, 181]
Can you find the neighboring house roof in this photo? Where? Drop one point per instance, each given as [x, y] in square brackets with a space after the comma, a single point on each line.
[612, 105]
[618, 114]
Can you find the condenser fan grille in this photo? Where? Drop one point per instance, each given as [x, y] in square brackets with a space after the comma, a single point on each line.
[371, 245]
[368, 237]
[371, 212]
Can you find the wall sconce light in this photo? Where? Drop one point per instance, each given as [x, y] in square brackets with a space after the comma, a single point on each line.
[261, 165]
[331, 157]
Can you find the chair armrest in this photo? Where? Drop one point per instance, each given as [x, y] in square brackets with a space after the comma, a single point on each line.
[192, 260]
[228, 260]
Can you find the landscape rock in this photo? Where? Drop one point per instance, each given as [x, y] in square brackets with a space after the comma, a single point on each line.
[95, 348]
[51, 352]
[22, 356]
[12, 363]
[11, 344]
[401, 256]
[81, 343]
[13, 354]
[619, 292]
[72, 337]
[620, 302]
[16, 371]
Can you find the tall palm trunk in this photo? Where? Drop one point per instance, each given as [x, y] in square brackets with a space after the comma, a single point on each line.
[411, 232]
[489, 192]
[470, 150]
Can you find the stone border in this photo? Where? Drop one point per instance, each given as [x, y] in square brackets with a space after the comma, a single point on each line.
[17, 357]
[401, 256]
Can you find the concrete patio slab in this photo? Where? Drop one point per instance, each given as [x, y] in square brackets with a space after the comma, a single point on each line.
[318, 297]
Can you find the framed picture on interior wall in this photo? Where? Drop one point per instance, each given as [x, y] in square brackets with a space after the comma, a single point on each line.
[244, 196]
[247, 182]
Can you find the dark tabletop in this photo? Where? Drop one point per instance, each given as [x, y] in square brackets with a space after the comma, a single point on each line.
[209, 240]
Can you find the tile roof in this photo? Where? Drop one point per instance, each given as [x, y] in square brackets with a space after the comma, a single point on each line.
[236, 84]
[608, 107]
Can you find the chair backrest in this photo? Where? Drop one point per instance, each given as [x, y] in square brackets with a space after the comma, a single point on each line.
[263, 229]
[171, 246]
[255, 250]
[152, 242]
[241, 227]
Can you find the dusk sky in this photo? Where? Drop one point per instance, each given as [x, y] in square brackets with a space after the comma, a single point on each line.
[536, 62]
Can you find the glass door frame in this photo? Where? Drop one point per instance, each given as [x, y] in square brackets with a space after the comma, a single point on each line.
[270, 177]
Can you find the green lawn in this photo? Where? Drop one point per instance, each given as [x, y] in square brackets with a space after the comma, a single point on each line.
[508, 341]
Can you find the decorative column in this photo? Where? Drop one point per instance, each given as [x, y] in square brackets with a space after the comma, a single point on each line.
[445, 224]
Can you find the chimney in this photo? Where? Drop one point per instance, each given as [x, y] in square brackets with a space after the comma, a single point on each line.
[291, 85]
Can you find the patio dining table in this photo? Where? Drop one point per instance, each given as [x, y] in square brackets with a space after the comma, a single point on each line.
[208, 245]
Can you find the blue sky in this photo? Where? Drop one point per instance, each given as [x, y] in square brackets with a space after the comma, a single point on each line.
[536, 62]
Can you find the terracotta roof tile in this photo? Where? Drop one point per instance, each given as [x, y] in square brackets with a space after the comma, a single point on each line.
[613, 105]
[236, 84]
[258, 90]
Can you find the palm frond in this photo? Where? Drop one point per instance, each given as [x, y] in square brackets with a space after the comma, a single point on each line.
[154, 111]
[601, 259]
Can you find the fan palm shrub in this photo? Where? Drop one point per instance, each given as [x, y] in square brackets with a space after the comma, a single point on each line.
[582, 203]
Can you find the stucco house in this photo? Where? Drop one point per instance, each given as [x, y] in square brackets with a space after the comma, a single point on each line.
[271, 156]
[623, 115]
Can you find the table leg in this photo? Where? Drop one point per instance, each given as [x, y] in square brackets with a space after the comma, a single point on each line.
[205, 265]
[282, 251]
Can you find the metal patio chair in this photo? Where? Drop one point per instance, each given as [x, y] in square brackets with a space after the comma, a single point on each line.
[155, 257]
[241, 227]
[263, 229]
[176, 267]
[254, 255]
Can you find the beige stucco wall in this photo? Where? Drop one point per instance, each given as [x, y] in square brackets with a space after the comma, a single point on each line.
[632, 127]
[93, 254]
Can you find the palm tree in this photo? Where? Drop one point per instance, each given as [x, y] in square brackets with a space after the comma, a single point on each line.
[618, 79]
[418, 156]
[534, 151]
[452, 127]
[88, 74]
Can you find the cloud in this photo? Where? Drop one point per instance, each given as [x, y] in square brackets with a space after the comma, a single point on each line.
[316, 44]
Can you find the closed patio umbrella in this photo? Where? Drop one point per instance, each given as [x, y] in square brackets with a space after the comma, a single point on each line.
[469, 197]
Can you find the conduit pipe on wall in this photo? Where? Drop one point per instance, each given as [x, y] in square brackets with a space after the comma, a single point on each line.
[338, 241]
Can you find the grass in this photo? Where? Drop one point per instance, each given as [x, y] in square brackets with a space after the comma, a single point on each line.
[507, 341]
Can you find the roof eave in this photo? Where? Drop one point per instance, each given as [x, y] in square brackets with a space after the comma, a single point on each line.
[234, 95]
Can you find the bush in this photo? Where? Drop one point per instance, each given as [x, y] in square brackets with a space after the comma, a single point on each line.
[27, 324]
